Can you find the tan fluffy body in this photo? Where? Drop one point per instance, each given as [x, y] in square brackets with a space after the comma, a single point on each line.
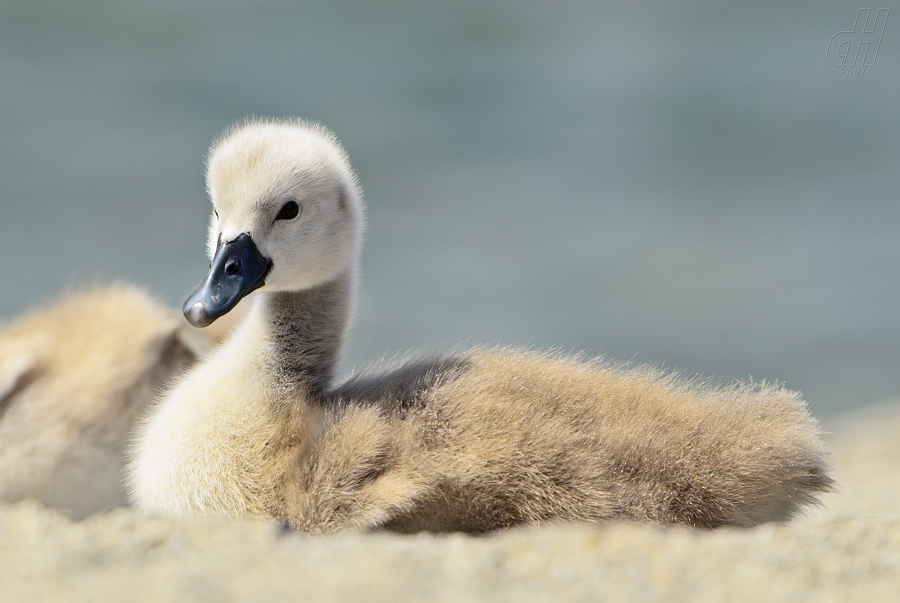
[74, 378]
[465, 440]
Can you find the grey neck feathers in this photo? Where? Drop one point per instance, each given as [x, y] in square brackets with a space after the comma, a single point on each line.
[307, 330]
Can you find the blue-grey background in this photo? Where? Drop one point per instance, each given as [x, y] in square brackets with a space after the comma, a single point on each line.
[689, 183]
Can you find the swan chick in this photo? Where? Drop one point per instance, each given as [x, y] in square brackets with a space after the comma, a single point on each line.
[74, 378]
[467, 440]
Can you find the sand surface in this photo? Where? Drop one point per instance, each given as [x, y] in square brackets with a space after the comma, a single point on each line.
[847, 550]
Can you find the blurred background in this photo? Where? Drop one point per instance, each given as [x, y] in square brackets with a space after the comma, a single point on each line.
[693, 184]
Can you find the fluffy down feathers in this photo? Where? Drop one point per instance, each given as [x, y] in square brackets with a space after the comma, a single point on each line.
[74, 378]
[471, 440]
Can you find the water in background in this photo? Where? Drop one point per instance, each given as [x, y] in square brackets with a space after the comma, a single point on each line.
[694, 185]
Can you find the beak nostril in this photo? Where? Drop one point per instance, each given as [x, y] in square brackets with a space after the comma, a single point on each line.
[231, 268]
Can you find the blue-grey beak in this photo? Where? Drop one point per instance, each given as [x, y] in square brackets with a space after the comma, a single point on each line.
[237, 269]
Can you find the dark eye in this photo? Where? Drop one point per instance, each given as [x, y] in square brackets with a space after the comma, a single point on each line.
[288, 211]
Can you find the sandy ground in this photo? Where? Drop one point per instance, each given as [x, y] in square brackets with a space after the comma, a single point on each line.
[848, 550]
